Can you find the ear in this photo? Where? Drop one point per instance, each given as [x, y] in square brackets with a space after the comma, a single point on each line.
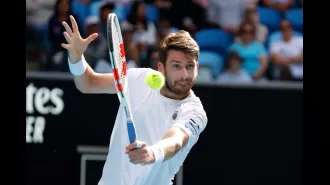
[197, 68]
[161, 67]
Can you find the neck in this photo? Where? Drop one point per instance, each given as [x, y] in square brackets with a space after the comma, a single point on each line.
[168, 94]
[245, 42]
[234, 70]
[287, 39]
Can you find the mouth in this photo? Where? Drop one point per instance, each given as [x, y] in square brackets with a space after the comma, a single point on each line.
[183, 83]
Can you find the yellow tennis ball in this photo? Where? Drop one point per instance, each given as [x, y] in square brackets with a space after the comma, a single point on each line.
[155, 80]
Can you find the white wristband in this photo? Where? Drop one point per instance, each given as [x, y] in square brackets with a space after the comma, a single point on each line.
[158, 152]
[78, 68]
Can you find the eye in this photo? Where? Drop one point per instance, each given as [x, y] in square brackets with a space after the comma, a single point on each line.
[190, 66]
[176, 65]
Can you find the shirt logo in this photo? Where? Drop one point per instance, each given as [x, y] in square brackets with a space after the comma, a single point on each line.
[192, 126]
[175, 115]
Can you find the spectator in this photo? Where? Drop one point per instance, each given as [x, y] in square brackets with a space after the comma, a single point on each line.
[152, 59]
[287, 54]
[144, 31]
[38, 13]
[253, 53]
[57, 56]
[131, 48]
[234, 72]
[106, 7]
[226, 14]
[280, 5]
[164, 7]
[98, 49]
[188, 15]
[251, 15]
[163, 28]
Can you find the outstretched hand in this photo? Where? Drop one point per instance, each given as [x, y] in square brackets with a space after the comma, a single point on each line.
[76, 44]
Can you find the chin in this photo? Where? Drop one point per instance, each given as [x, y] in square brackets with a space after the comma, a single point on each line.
[182, 91]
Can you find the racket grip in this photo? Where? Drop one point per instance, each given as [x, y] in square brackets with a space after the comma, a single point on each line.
[131, 131]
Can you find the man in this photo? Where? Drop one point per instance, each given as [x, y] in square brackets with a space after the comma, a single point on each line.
[234, 72]
[287, 54]
[168, 121]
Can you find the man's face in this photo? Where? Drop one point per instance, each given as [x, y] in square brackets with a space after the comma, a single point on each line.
[234, 65]
[286, 29]
[180, 72]
[104, 13]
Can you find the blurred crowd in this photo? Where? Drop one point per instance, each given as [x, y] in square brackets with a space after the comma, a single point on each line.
[240, 40]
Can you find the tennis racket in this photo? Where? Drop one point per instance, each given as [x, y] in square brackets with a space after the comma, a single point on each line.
[118, 63]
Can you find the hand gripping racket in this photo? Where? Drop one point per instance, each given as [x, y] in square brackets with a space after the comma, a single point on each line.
[118, 63]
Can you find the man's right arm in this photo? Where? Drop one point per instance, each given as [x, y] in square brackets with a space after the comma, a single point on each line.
[85, 78]
[91, 82]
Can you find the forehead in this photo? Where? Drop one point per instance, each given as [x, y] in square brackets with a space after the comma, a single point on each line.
[285, 23]
[247, 26]
[174, 55]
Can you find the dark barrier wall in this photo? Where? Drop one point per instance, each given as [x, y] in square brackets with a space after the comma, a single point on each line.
[254, 135]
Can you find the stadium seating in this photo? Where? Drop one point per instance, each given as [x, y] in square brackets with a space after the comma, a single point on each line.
[270, 17]
[214, 40]
[295, 16]
[80, 10]
[152, 13]
[213, 60]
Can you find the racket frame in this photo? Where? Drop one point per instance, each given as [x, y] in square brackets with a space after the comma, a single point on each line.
[122, 91]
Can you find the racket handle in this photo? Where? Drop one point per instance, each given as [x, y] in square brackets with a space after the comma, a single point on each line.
[131, 131]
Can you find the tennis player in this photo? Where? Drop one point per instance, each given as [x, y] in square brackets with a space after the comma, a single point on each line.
[169, 121]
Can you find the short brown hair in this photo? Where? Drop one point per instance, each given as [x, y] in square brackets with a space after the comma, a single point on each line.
[180, 41]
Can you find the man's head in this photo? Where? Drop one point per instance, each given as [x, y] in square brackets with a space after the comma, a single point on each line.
[106, 8]
[178, 55]
[286, 29]
[92, 25]
[233, 62]
[247, 31]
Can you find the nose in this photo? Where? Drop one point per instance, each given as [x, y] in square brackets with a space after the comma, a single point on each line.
[185, 74]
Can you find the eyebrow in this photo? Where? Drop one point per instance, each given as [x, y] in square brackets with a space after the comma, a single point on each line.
[176, 61]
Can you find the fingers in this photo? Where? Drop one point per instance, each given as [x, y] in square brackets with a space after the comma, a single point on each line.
[67, 37]
[138, 159]
[140, 144]
[66, 46]
[74, 24]
[130, 146]
[67, 28]
[91, 38]
[134, 145]
[137, 151]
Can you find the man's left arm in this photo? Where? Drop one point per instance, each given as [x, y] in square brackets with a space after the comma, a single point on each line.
[185, 131]
[174, 140]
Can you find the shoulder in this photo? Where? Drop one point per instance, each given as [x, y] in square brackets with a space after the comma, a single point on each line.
[191, 118]
[136, 79]
[222, 76]
[134, 73]
[235, 46]
[257, 44]
[298, 40]
[277, 43]
[245, 74]
[193, 106]
[262, 27]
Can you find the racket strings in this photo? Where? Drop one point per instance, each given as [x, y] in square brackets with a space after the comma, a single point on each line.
[118, 54]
